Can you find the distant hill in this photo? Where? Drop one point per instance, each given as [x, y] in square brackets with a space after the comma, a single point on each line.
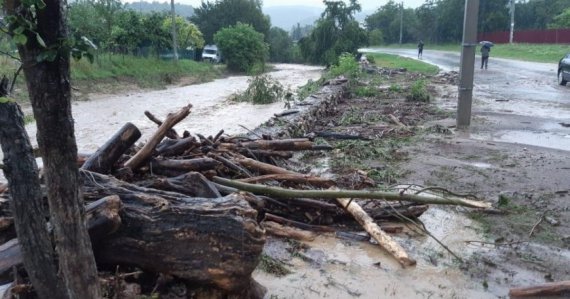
[146, 7]
[286, 17]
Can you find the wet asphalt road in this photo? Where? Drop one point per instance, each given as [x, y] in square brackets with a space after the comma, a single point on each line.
[520, 102]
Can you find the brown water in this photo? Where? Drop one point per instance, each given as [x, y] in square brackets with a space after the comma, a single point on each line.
[348, 269]
[98, 119]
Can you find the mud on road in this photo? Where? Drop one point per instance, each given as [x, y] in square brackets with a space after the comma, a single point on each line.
[525, 183]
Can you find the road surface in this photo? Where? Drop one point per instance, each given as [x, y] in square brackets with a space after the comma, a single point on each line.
[514, 101]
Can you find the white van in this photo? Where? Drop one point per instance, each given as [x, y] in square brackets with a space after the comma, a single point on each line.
[212, 54]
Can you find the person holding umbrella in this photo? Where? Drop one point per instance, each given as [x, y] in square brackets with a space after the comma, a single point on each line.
[485, 50]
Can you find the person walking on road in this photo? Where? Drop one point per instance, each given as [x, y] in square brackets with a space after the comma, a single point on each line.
[485, 50]
[420, 49]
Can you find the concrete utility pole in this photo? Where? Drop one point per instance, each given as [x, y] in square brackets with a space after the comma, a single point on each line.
[174, 42]
[467, 63]
[512, 21]
[401, 20]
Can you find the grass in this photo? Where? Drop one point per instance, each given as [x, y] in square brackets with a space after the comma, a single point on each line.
[550, 53]
[396, 62]
[146, 72]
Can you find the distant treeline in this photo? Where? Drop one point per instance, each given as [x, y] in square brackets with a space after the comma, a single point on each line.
[147, 7]
[441, 21]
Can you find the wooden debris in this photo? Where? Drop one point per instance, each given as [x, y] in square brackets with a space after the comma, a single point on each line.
[547, 289]
[376, 232]
[279, 230]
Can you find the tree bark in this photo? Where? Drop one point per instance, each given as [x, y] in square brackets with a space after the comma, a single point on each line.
[179, 167]
[192, 184]
[104, 158]
[29, 213]
[49, 90]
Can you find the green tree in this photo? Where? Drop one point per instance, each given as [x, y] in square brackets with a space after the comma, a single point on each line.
[243, 47]
[188, 34]
[84, 21]
[280, 45]
[375, 37]
[156, 37]
[128, 31]
[210, 17]
[562, 20]
[336, 32]
[107, 11]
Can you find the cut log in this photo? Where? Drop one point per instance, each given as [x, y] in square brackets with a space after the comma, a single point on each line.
[207, 241]
[192, 184]
[300, 144]
[263, 167]
[297, 178]
[258, 154]
[105, 157]
[144, 154]
[548, 289]
[383, 239]
[171, 132]
[102, 218]
[179, 167]
[388, 196]
[171, 147]
[279, 230]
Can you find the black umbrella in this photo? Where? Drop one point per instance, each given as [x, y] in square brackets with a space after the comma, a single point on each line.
[487, 43]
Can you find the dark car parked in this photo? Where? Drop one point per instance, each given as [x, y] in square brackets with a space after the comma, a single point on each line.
[564, 70]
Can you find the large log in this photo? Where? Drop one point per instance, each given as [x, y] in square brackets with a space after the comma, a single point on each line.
[172, 119]
[102, 217]
[179, 167]
[175, 147]
[205, 241]
[300, 144]
[107, 155]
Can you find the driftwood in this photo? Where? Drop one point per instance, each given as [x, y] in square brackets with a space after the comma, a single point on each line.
[301, 225]
[301, 144]
[388, 196]
[279, 230]
[105, 157]
[547, 289]
[175, 147]
[396, 121]
[264, 168]
[206, 241]
[376, 232]
[171, 132]
[294, 178]
[179, 167]
[191, 184]
[137, 160]
[102, 219]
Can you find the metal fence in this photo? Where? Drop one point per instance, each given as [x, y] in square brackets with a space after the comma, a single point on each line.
[549, 36]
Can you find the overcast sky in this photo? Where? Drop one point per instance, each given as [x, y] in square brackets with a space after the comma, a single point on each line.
[366, 4]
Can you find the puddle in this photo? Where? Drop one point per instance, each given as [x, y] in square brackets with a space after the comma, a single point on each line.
[98, 119]
[363, 270]
[559, 141]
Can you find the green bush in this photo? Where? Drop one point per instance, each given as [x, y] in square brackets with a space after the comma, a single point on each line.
[418, 92]
[347, 66]
[242, 47]
[262, 90]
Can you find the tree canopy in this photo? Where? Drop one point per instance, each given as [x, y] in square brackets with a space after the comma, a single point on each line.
[210, 17]
[242, 47]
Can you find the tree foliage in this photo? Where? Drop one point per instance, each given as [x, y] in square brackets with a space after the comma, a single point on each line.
[188, 34]
[280, 45]
[210, 17]
[335, 32]
[243, 47]
[562, 20]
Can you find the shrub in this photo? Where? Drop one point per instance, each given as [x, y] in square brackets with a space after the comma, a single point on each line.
[242, 47]
[347, 66]
[418, 92]
[262, 90]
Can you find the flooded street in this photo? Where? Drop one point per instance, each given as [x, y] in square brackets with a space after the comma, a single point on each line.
[521, 102]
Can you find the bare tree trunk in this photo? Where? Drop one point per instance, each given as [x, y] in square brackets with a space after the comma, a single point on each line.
[22, 174]
[50, 94]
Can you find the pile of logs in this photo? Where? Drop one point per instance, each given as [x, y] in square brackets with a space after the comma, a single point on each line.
[177, 205]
